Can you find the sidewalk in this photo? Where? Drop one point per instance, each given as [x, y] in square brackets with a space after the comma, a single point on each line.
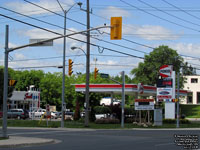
[18, 141]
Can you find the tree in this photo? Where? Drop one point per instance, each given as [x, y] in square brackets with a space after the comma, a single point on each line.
[148, 71]
[51, 88]
[10, 89]
[27, 78]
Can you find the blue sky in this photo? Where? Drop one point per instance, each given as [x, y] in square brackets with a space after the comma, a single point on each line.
[145, 22]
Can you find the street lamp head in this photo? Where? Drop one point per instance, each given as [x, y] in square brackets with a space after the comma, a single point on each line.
[80, 4]
[73, 47]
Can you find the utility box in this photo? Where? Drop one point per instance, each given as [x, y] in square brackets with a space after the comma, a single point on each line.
[158, 117]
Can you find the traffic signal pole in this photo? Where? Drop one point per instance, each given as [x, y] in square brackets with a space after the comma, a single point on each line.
[5, 87]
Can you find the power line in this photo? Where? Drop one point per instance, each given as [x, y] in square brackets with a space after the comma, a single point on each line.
[56, 66]
[85, 24]
[72, 30]
[55, 13]
[109, 49]
[43, 58]
[68, 30]
[181, 9]
[159, 16]
[168, 13]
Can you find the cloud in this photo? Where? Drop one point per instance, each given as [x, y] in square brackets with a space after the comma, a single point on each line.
[149, 32]
[29, 9]
[29, 63]
[114, 12]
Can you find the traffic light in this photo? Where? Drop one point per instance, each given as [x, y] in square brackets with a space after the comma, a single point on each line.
[12, 82]
[95, 73]
[175, 100]
[116, 28]
[70, 64]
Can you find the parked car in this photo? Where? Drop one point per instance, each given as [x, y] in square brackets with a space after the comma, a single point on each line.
[69, 115]
[18, 113]
[102, 116]
[54, 115]
[107, 101]
[1, 114]
[37, 113]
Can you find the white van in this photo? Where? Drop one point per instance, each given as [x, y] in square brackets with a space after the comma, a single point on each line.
[107, 101]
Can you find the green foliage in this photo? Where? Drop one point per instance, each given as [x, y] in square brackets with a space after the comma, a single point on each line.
[148, 71]
[190, 111]
[10, 89]
[50, 87]
[27, 78]
[102, 110]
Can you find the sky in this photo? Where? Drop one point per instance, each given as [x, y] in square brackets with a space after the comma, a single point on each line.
[146, 24]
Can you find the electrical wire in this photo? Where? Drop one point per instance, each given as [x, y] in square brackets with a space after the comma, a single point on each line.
[85, 24]
[109, 49]
[159, 16]
[73, 30]
[57, 66]
[181, 9]
[70, 30]
[168, 13]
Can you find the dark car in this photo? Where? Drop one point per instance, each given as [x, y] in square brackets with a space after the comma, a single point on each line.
[18, 113]
[1, 114]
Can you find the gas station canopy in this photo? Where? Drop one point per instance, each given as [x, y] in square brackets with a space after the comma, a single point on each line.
[130, 89]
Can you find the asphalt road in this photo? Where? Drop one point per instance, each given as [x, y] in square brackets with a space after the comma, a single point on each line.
[80, 139]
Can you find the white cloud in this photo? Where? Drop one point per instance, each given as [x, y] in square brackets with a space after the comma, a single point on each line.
[29, 63]
[149, 32]
[114, 12]
[29, 9]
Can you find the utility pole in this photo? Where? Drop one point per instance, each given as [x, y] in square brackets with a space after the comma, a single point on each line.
[123, 98]
[5, 87]
[177, 104]
[87, 68]
[63, 76]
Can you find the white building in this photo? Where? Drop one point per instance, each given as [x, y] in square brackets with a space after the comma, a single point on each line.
[192, 84]
[29, 100]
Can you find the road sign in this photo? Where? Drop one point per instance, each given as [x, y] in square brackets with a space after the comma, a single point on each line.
[103, 75]
[49, 43]
[144, 104]
[166, 71]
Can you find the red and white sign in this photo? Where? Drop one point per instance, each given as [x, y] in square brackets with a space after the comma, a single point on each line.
[166, 71]
[164, 93]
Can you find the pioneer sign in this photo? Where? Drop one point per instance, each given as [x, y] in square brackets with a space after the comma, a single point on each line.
[166, 71]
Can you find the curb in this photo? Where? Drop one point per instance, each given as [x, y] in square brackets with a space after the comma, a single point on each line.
[17, 141]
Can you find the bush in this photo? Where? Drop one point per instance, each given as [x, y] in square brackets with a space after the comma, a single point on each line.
[107, 121]
[129, 120]
[102, 110]
[173, 121]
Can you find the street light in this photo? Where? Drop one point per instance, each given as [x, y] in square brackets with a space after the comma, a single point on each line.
[63, 76]
[87, 85]
[74, 47]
